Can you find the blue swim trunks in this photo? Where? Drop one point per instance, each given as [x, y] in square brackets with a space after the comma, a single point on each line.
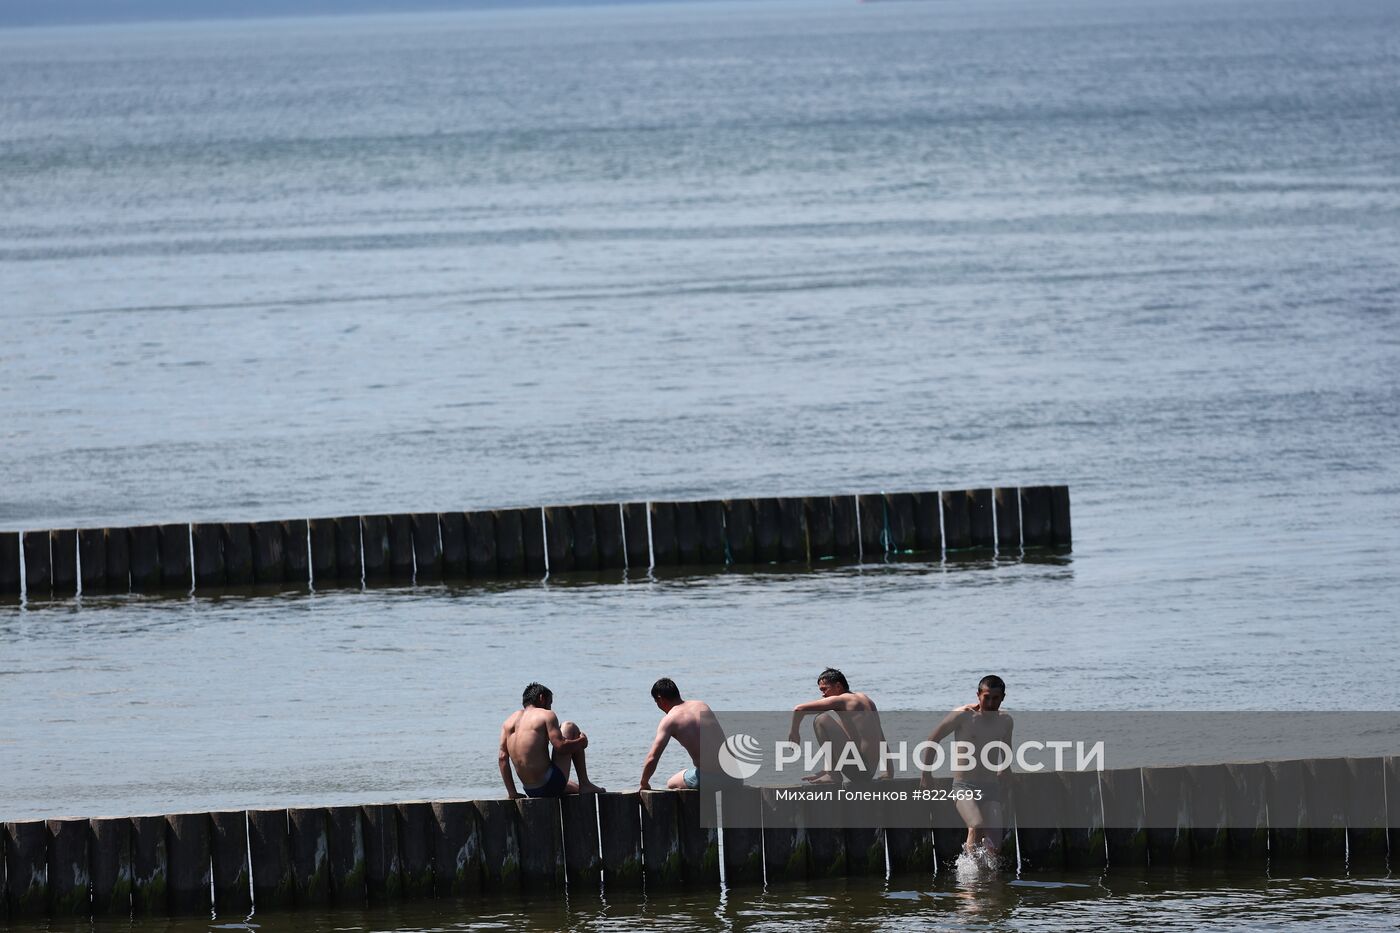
[555, 785]
[715, 780]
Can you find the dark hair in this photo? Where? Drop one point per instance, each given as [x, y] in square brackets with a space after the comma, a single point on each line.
[534, 693]
[665, 689]
[991, 682]
[832, 676]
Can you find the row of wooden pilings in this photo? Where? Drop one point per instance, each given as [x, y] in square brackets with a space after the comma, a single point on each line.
[1321, 813]
[434, 546]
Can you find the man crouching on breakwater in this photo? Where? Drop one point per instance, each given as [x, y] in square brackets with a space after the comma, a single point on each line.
[685, 721]
[845, 721]
[542, 750]
[979, 792]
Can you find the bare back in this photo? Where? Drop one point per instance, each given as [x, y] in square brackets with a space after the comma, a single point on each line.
[526, 736]
[686, 723]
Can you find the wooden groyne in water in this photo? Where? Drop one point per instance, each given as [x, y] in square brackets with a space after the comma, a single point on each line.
[428, 547]
[1322, 814]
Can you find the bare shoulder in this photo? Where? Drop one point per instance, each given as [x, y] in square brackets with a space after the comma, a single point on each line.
[865, 702]
[512, 721]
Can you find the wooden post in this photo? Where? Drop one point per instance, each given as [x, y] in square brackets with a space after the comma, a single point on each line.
[928, 523]
[785, 845]
[427, 547]
[69, 871]
[188, 841]
[453, 527]
[118, 547]
[865, 851]
[607, 524]
[229, 844]
[175, 571]
[383, 875]
[238, 553]
[417, 844]
[150, 866]
[1040, 816]
[310, 846]
[92, 559]
[532, 533]
[400, 547]
[1167, 802]
[910, 850]
[374, 547]
[739, 530]
[957, 525]
[981, 524]
[634, 528]
[1036, 529]
[1366, 811]
[904, 529]
[27, 866]
[620, 826]
[711, 532]
[1392, 801]
[9, 562]
[1325, 788]
[743, 844]
[1247, 807]
[541, 847]
[1125, 816]
[500, 837]
[349, 567]
[38, 568]
[845, 536]
[826, 846]
[270, 847]
[510, 542]
[63, 552]
[483, 539]
[1008, 508]
[457, 850]
[559, 538]
[874, 530]
[792, 526]
[821, 531]
[581, 519]
[269, 547]
[1288, 814]
[767, 531]
[296, 560]
[699, 844]
[1209, 816]
[661, 842]
[663, 533]
[323, 569]
[208, 555]
[1083, 827]
[581, 859]
[111, 867]
[144, 545]
[346, 862]
[1060, 532]
[687, 533]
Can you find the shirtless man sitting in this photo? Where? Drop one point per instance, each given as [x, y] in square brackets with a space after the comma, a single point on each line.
[982, 790]
[685, 721]
[542, 749]
[843, 717]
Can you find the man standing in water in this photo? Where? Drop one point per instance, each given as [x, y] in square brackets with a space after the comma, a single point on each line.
[685, 721]
[978, 792]
[845, 721]
[542, 749]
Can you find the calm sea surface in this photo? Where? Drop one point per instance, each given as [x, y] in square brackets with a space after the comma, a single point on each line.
[278, 269]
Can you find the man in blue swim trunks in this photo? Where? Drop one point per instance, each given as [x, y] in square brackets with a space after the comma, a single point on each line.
[686, 721]
[542, 749]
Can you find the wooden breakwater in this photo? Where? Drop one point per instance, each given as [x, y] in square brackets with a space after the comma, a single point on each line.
[428, 547]
[1321, 814]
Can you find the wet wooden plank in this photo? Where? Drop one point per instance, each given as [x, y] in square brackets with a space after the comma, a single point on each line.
[238, 553]
[1083, 820]
[1061, 533]
[981, 521]
[1008, 509]
[63, 552]
[26, 875]
[9, 562]
[844, 527]
[374, 547]
[585, 550]
[510, 542]
[118, 547]
[821, 530]
[187, 839]
[455, 561]
[144, 545]
[69, 869]
[635, 536]
[345, 861]
[500, 837]
[427, 547]
[296, 553]
[559, 538]
[270, 849]
[208, 554]
[928, 523]
[957, 524]
[323, 552]
[661, 842]
[92, 559]
[620, 826]
[458, 849]
[664, 551]
[532, 534]
[874, 533]
[699, 843]
[38, 568]
[767, 531]
[310, 849]
[349, 568]
[607, 524]
[417, 849]
[1366, 811]
[1325, 791]
[400, 547]
[1288, 814]
[1125, 817]
[687, 533]
[792, 530]
[712, 545]
[269, 546]
[383, 874]
[1036, 527]
[743, 835]
[541, 843]
[111, 866]
[1247, 806]
[739, 530]
[904, 530]
[483, 544]
[1167, 801]
[150, 866]
[582, 861]
[232, 873]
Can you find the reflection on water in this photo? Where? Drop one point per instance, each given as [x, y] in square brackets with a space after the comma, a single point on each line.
[1159, 900]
